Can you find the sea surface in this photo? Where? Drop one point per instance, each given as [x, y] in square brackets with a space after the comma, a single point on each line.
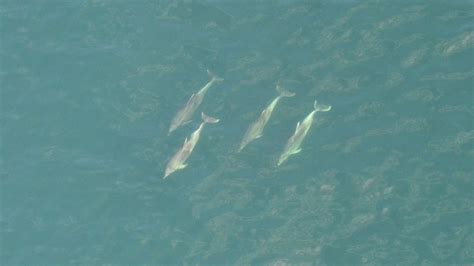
[89, 89]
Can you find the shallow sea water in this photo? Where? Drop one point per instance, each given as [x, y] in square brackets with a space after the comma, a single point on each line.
[89, 87]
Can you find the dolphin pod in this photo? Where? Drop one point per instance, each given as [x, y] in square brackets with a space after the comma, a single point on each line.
[254, 131]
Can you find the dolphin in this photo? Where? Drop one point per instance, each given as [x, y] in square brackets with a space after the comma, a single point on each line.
[185, 114]
[256, 128]
[177, 162]
[302, 128]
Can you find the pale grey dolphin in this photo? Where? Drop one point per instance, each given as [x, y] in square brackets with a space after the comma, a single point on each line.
[185, 114]
[294, 143]
[177, 162]
[256, 128]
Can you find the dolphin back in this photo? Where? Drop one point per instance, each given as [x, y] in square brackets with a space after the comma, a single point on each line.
[209, 119]
[283, 92]
[321, 107]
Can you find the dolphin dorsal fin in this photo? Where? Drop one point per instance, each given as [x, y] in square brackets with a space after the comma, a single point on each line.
[191, 98]
[296, 151]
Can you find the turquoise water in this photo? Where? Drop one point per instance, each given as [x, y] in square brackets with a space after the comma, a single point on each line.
[89, 88]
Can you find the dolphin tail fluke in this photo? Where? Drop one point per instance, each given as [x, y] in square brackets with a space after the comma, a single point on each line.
[213, 76]
[321, 107]
[209, 119]
[283, 92]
